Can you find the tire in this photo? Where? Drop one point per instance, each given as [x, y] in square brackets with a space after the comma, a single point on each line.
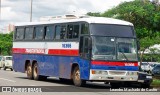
[11, 69]
[4, 68]
[35, 73]
[29, 72]
[76, 77]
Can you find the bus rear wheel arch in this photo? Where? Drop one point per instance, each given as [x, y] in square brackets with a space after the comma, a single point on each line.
[76, 77]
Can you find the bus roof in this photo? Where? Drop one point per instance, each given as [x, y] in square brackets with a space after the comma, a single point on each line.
[100, 20]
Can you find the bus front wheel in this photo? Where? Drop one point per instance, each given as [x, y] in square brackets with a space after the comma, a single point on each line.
[76, 77]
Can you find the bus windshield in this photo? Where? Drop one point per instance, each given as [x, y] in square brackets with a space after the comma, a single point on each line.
[112, 30]
[114, 48]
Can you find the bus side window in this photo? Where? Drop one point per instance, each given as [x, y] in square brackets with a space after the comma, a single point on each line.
[69, 31]
[84, 29]
[29, 33]
[49, 32]
[63, 32]
[72, 31]
[39, 30]
[76, 31]
[19, 34]
[57, 32]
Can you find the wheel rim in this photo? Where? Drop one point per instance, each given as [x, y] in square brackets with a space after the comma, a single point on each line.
[77, 75]
[29, 71]
[35, 71]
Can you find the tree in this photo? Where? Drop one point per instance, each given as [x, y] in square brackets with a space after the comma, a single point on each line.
[6, 44]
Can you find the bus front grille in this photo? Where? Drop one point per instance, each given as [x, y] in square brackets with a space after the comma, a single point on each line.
[117, 72]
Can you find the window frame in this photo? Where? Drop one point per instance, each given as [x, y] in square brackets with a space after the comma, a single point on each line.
[48, 25]
[88, 28]
[42, 26]
[15, 34]
[82, 52]
[73, 24]
[29, 30]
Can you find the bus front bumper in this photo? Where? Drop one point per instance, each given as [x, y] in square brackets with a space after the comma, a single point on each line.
[113, 75]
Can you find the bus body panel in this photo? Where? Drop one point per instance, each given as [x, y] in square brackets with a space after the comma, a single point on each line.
[54, 66]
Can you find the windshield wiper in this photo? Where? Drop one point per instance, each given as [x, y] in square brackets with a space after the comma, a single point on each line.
[124, 56]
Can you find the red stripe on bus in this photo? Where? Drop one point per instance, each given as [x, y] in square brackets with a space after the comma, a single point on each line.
[67, 52]
[114, 63]
[28, 50]
[18, 50]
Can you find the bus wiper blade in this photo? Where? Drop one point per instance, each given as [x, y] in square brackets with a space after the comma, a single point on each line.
[124, 56]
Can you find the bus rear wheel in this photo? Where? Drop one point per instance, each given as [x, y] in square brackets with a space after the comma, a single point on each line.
[35, 73]
[29, 72]
[76, 77]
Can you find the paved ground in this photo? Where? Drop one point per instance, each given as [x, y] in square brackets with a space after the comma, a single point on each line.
[56, 87]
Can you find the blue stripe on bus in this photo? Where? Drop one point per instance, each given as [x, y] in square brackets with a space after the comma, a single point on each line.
[102, 67]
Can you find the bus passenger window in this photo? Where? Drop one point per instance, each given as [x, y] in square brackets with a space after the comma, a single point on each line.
[72, 31]
[84, 29]
[60, 32]
[39, 33]
[49, 32]
[63, 32]
[69, 31]
[29, 33]
[57, 32]
[19, 34]
[76, 31]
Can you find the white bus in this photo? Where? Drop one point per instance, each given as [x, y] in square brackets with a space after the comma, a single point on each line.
[81, 49]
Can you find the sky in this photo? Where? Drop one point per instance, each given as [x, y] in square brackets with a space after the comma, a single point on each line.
[13, 11]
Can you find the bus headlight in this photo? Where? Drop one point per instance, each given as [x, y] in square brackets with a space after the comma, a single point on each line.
[99, 72]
